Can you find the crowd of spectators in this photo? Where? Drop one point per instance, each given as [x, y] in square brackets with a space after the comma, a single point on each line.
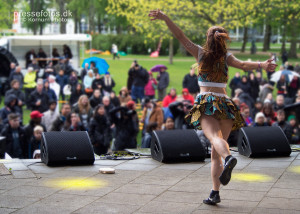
[111, 119]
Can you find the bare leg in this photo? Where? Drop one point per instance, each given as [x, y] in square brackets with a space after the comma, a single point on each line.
[212, 130]
[217, 132]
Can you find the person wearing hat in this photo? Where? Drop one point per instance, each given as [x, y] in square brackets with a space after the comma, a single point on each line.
[87, 82]
[260, 120]
[190, 81]
[124, 96]
[50, 116]
[150, 86]
[107, 84]
[187, 96]
[35, 119]
[39, 99]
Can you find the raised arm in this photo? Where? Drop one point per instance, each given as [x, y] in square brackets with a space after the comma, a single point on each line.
[177, 32]
[247, 66]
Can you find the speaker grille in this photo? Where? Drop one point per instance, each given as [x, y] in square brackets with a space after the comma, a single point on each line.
[176, 146]
[66, 148]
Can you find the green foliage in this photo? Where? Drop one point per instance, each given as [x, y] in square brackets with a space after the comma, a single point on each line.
[135, 42]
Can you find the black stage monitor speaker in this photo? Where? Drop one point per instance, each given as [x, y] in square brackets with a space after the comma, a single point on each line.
[66, 148]
[177, 146]
[263, 142]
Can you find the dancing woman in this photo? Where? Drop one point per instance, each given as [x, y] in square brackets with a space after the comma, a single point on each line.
[213, 111]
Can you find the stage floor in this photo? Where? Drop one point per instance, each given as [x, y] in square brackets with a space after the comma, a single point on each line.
[267, 185]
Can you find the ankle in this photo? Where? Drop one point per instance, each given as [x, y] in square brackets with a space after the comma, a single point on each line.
[227, 158]
[213, 193]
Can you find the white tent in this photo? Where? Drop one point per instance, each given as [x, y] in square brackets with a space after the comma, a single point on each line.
[19, 45]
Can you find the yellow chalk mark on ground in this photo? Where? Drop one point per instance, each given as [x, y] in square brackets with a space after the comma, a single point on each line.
[295, 169]
[76, 183]
[251, 177]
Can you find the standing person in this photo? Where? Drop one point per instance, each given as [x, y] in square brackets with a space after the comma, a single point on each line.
[49, 91]
[76, 94]
[254, 90]
[29, 56]
[56, 55]
[284, 57]
[140, 78]
[163, 83]
[114, 51]
[17, 75]
[50, 116]
[87, 82]
[96, 98]
[245, 85]
[84, 110]
[150, 86]
[67, 52]
[190, 81]
[84, 71]
[15, 137]
[213, 60]
[62, 80]
[124, 96]
[99, 131]
[97, 82]
[29, 84]
[282, 85]
[15, 89]
[42, 58]
[59, 123]
[73, 80]
[107, 84]
[235, 81]
[39, 99]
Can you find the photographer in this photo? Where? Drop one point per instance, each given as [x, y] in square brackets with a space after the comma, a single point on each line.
[179, 110]
[137, 79]
[126, 128]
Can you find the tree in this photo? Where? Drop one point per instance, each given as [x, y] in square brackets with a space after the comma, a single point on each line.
[7, 12]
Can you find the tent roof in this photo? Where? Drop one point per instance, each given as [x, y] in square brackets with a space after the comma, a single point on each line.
[47, 39]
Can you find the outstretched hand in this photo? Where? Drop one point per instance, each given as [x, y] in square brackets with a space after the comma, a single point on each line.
[156, 14]
[268, 65]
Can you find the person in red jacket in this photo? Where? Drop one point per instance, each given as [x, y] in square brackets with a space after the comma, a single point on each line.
[170, 98]
[187, 96]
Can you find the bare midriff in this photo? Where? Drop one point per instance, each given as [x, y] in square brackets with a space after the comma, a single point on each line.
[212, 89]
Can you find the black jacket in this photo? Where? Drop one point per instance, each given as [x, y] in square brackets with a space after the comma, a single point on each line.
[100, 134]
[11, 149]
[163, 80]
[58, 124]
[126, 127]
[139, 77]
[95, 101]
[75, 96]
[191, 83]
[176, 109]
[7, 109]
[35, 96]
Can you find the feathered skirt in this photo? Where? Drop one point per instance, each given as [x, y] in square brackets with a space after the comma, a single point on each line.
[220, 106]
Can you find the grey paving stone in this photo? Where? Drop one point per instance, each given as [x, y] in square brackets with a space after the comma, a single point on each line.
[196, 186]
[16, 166]
[6, 210]
[146, 161]
[108, 162]
[268, 163]
[92, 168]
[168, 207]
[10, 183]
[280, 203]
[31, 191]
[235, 195]
[248, 186]
[65, 173]
[184, 166]
[58, 203]
[287, 184]
[230, 206]
[4, 170]
[273, 211]
[126, 198]
[121, 176]
[96, 191]
[107, 208]
[296, 163]
[169, 172]
[182, 197]
[213, 212]
[16, 202]
[284, 193]
[44, 169]
[137, 167]
[157, 180]
[142, 189]
[23, 174]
